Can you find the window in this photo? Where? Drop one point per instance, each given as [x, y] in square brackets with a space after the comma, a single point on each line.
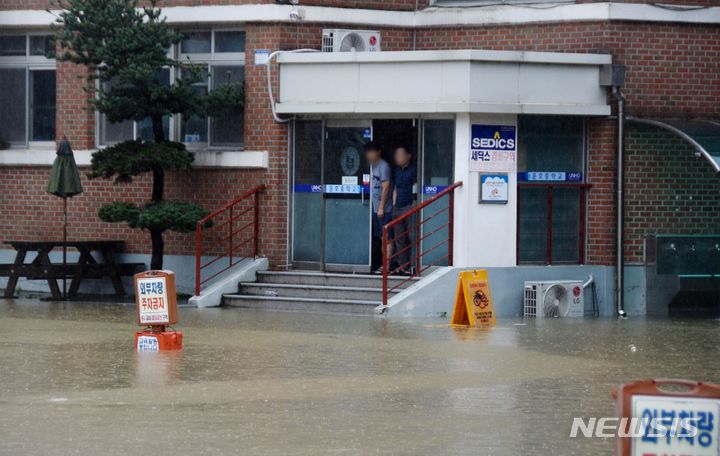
[28, 85]
[112, 133]
[551, 190]
[224, 54]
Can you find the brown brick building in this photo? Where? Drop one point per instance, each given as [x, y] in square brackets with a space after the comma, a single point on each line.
[544, 82]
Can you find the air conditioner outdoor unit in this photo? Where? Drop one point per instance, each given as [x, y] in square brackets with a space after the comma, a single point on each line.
[558, 299]
[339, 40]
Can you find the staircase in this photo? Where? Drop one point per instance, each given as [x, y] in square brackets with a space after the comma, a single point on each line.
[313, 292]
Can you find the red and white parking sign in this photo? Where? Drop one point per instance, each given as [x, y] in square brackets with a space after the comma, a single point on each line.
[156, 298]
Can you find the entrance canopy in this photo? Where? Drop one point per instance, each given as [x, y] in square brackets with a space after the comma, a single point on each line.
[427, 82]
[702, 135]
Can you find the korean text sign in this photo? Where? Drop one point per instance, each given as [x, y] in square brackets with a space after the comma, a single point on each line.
[676, 425]
[156, 298]
[493, 148]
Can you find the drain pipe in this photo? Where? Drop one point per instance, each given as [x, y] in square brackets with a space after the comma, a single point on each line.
[620, 276]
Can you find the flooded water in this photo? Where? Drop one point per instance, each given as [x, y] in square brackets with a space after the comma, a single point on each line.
[271, 383]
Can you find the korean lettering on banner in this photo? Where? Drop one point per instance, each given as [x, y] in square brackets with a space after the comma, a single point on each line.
[674, 425]
[493, 148]
[153, 301]
[148, 344]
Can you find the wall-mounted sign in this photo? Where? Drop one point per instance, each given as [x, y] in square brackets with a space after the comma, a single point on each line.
[493, 148]
[345, 189]
[433, 189]
[550, 176]
[308, 188]
[262, 56]
[494, 188]
[350, 180]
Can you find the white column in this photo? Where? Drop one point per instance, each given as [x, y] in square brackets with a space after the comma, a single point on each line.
[485, 234]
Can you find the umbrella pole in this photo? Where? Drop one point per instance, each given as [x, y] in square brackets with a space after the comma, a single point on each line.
[64, 248]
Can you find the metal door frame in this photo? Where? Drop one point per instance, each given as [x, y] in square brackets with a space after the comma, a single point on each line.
[321, 264]
[340, 267]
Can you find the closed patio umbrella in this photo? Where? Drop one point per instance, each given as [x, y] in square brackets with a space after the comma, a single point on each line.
[65, 183]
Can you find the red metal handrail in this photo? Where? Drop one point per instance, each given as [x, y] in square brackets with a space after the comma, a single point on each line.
[418, 239]
[229, 234]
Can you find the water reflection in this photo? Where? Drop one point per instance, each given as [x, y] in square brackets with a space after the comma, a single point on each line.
[283, 383]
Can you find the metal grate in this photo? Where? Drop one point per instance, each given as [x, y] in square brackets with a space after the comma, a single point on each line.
[530, 302]
[328, 42]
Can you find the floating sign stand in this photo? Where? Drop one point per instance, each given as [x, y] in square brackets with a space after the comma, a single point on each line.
[671, 417]
[156, 308]
[473, 300]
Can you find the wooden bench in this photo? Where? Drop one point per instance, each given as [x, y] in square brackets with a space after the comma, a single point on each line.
[41, 268]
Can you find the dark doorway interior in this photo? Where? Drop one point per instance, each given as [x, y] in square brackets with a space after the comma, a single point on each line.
[392, 133]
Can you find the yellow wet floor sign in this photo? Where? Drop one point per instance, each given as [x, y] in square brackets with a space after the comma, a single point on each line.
[473, 301]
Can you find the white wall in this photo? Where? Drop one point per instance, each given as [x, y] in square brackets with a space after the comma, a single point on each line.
[484, 233]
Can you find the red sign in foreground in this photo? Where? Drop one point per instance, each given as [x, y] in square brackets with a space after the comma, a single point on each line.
[156, 300]
[668, 417]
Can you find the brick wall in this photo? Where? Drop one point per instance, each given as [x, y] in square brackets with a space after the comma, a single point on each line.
[673, 69]
[404, 5]
[668, 189]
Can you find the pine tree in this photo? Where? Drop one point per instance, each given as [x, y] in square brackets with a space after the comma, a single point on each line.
[124, 47]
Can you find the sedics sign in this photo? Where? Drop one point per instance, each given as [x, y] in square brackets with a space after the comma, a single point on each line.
[493, 148]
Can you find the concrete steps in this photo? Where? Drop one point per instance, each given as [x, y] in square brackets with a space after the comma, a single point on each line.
[312, 292]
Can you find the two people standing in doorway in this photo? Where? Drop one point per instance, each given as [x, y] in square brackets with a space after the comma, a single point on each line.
[392, 197]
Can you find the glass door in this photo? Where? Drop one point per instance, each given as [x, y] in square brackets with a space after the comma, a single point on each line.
[438, 157]
[330, 214]
[306, 194]
[346, 197]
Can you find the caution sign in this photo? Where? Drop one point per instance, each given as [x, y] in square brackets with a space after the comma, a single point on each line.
[473, 301]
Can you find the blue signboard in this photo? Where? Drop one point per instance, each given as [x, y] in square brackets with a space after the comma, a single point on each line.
[550, 176]
[433, 189]
[332, 188]
[493, 148]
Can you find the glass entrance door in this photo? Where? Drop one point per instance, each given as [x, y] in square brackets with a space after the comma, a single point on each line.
[346, 197]
[438, 150]
[331, 196]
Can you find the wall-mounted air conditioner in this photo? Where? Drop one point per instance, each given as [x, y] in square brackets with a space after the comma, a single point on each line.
[340, 40]
[558, 299]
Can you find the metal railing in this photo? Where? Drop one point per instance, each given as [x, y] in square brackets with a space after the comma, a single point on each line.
[234, 235]
[415, 248]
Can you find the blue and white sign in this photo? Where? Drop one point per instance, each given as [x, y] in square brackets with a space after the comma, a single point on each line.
[676, 425]
[147, 344]
[493, 148]
[433, 189]
[308, 188]
[337, 189]
[344, 189]
[550, 176]
[262, 56]
[494, 188]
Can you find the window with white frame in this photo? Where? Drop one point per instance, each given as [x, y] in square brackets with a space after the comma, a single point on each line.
[221, 53]
[112, 133]
[28, 88]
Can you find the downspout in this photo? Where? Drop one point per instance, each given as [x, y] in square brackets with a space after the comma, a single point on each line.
[620, 254]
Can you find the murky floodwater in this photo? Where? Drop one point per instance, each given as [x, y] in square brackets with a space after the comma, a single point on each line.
[285, 383]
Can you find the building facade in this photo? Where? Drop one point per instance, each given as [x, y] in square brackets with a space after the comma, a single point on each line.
[445, 68]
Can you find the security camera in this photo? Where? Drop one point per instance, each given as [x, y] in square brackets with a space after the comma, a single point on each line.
[296, 15]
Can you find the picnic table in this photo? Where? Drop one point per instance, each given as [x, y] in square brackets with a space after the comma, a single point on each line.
[42, 268]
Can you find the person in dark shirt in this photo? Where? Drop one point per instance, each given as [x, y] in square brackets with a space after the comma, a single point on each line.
[403, 201]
